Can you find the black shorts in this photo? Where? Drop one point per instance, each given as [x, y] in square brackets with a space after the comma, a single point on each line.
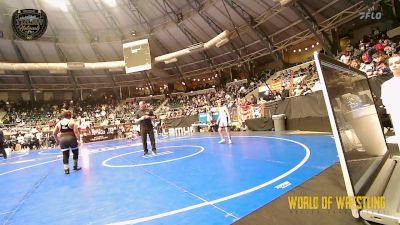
[68, 143]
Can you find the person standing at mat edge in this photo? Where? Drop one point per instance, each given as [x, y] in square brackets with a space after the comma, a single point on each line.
[2, 150]
[66, 134]
[145, 117]
[390, 95]
[223, 121]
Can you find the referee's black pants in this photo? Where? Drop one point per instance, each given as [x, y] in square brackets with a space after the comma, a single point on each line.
[144, 132]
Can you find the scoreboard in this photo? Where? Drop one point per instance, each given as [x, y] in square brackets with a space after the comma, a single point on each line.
[137, 56]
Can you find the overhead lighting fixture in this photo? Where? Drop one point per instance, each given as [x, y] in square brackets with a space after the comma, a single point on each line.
[218, 40]
[196, 47]
[60, 4]
[294, 50]
[306, 49]
[76, 65]
[299, 50]
[58, 71]
[110, 3]
[317, 43]
[173, 60]
[116, 70]
[222, 42]
[312, 46]
[283, 2]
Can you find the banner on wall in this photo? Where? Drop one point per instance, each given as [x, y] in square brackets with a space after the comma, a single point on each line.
[205, 118]
[275, 85]
[251, 112]
[98, 137]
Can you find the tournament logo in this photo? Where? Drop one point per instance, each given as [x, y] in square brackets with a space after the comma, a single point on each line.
[29, 24]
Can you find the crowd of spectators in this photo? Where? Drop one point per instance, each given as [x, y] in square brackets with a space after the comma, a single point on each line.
[29, 124]
[371, 54]
[189, 105]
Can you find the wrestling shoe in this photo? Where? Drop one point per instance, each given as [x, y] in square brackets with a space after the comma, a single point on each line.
[77, 168]
[66, 171]
[221, 141]
[230, 141]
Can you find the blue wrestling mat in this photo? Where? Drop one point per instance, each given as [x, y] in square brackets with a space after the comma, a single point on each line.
[191, 181]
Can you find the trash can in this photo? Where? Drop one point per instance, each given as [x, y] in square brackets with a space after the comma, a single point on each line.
[279, 122]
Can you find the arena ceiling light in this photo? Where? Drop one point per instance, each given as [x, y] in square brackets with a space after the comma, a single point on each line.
[110, 3]
[173, 60]
[217, 41]
[58, 4]
[283, 2]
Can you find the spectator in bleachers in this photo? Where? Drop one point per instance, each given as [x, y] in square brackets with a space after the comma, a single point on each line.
[284, 93]
[306, 90]
[355, 63]
[277, 95]
[379, 66]
[346, 58]
[253, 99]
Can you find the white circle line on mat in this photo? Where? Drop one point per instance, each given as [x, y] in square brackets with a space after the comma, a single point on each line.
[91, 152]
[26, 167]
[206, 203]
[105, 162]
[44, 152]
